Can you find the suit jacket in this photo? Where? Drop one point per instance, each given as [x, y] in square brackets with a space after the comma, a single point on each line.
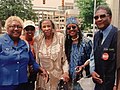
[118, 50]
[105, 59]
[118, 61]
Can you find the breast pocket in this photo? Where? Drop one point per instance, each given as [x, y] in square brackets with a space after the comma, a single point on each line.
[6, 51]
[109, 53]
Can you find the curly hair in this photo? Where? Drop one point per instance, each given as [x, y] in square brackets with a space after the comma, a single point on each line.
[11, 19]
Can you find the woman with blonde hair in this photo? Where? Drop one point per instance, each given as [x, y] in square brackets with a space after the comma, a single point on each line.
[15, 56]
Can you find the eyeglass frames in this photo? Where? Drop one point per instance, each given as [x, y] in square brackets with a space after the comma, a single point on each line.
[15, 26]
[73, 27]
[100, 16]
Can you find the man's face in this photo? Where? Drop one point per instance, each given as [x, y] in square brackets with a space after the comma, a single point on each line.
[102, 19]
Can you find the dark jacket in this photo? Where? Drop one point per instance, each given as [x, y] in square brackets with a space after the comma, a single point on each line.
[105, 59]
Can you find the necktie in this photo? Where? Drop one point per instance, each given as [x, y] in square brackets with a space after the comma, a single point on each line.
[100, 38]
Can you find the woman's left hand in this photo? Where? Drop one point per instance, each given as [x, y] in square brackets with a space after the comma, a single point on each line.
[65, 77]
[45, 74]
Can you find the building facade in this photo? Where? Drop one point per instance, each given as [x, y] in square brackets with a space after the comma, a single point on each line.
[56, 10]
[115, 6]
[59, 10]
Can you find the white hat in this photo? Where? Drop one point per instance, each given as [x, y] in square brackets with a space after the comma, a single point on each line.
[28, 23]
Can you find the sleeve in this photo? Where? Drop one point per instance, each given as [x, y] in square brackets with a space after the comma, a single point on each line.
[65, 62]
[64, 58]
[65, 65]
[92, 63]
[89, 48]
[33, 62]
[37, 42]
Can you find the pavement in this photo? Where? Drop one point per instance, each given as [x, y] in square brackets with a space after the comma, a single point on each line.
[86, 83]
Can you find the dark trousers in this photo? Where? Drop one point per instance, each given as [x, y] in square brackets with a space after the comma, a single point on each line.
[22, 86]
[26, 86]
[31, 85]
[103, 87]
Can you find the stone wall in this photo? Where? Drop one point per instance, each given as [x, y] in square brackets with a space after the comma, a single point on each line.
[115, 7]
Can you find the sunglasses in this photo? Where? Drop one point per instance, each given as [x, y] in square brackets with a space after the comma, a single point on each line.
[100, 16]
[73, 27]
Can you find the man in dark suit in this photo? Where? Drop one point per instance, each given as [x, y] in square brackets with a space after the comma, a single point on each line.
[103, 59]
[118, 61]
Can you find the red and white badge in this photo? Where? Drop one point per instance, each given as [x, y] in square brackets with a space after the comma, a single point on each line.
[105, 56]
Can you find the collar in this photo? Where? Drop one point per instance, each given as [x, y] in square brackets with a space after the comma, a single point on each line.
[10, 42]
[107, 30]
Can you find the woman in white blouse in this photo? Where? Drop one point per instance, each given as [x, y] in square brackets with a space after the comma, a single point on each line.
[50, 54]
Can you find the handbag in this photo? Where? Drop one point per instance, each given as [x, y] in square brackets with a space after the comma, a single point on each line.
[62, 85]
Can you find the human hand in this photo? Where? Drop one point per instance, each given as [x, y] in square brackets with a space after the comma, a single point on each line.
[65, 77]
[45, 74]
[79, 69]
[96, 78]
[114, 88]
[30, 68]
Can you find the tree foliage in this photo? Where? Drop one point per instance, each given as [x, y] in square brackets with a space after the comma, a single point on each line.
[21, 8]
[86, 8]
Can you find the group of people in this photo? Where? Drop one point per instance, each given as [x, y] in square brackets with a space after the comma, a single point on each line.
[52, 56]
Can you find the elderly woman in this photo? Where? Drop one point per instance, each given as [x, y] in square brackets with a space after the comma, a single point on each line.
[50, 54]
[15, 56]
[77, 49]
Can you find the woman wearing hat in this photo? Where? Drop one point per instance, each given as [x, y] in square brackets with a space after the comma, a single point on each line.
[77, 49]
[29, 31]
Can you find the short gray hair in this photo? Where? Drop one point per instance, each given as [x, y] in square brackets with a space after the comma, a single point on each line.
[11, 19]
[104, 7]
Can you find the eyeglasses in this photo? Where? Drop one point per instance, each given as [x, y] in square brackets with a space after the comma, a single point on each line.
[15, 26]
[30, 29]
[73, 27]
[100, 16]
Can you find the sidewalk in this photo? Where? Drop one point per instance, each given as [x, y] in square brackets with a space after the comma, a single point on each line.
[86, 83]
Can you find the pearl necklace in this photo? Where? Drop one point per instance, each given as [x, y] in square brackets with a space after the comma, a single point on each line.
[74, 39]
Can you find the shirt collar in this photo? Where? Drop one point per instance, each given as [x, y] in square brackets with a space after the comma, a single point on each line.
[10, 41]
[106, 32]
[108, 29]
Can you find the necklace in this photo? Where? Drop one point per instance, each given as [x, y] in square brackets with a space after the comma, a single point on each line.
[74, 39]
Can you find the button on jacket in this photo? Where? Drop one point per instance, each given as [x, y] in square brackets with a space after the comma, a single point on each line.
[14, 61]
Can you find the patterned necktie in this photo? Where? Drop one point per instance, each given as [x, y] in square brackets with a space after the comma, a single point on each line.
[100, 38]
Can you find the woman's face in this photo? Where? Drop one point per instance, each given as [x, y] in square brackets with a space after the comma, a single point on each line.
[72, 30]
[29, 32]
[47, 28]
[14, 29]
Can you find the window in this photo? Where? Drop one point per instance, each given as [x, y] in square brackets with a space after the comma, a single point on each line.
[43, 1]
